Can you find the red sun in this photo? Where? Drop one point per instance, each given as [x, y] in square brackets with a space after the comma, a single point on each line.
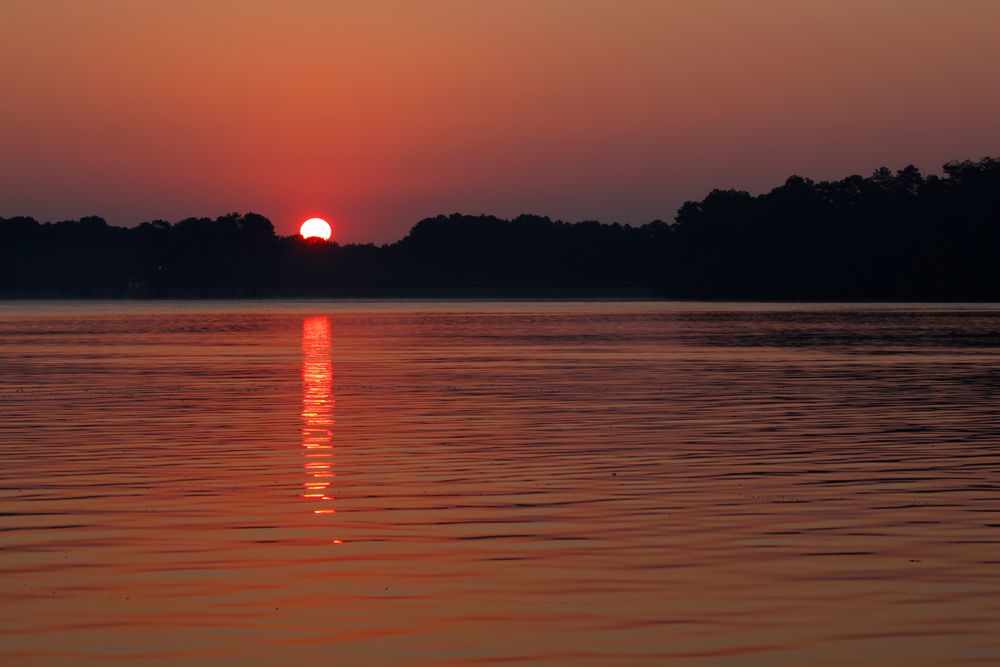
[316, 228]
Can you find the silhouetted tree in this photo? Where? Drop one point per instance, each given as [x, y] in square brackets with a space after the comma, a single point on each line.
[889, 236]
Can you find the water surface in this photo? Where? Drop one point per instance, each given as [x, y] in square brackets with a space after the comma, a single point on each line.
[464, 483]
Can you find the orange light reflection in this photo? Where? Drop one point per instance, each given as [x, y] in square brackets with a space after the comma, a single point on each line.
[318, 404]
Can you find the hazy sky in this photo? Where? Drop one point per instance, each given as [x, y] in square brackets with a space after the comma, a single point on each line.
[376, 114]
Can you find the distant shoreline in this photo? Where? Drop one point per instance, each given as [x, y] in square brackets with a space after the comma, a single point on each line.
[896, 236]
[367, 293]
[457, 294]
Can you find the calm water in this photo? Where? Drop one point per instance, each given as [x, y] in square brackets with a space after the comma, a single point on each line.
[491, 483]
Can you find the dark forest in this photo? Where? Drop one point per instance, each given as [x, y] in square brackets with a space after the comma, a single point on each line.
[888, 236]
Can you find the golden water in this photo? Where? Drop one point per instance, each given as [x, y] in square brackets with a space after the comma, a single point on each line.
[488, 483]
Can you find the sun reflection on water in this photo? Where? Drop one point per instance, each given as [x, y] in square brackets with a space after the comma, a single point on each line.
[318, 419]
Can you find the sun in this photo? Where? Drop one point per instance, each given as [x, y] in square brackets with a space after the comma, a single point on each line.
[316, 228]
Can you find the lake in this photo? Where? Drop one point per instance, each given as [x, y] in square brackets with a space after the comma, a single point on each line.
[482, 483]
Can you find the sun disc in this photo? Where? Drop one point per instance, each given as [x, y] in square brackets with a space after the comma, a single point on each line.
[316, 228]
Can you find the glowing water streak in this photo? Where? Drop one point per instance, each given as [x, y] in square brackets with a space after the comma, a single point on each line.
[318, 405]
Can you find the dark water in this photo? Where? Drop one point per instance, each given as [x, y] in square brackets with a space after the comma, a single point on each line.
[491, 483]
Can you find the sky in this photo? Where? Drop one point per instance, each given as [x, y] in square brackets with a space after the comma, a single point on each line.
[374, 115]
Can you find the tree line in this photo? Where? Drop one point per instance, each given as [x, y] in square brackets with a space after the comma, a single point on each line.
[892, 235]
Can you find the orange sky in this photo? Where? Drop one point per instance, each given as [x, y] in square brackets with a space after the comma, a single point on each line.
[376, 114]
